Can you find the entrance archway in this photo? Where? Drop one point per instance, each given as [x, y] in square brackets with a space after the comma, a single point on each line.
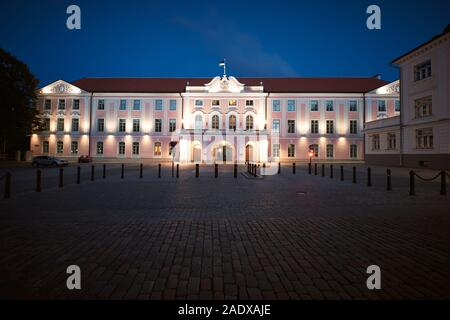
[249, 153]
[196, 153]
[223, 152]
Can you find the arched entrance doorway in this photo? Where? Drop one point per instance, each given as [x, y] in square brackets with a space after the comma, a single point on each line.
[249, 153]
[196, 152]
[223, 152]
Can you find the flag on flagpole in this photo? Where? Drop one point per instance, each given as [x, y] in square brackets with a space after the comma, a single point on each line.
[222, 63]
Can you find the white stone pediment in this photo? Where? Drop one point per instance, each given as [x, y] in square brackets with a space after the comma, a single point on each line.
[390, 88]
[61, 87]
[224, 84]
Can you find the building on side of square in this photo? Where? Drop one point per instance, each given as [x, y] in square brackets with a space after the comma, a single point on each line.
[422, 130]
[210, 120]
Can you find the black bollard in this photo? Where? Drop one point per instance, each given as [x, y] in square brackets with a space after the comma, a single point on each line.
[369, 177]
[159, 170]
[178, 170]
[388, 180]
[61, 173]
[197, 170]
[104, 171]
[141, 168]
[354, 175]
[279, 167]
[443, 183]
[309, 168]
[254, 170]
[331, 172]
[173, 165]
[235, 170]
[92, 173]
[315, 169]
[38, 180]
[7, 191]
[412, 190]
[323, 170]
[216, 170]
[293, 168]
[122, 172]
[78, 175]
[342, 173]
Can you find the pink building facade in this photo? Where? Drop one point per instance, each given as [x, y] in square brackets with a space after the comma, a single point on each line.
[223, 119]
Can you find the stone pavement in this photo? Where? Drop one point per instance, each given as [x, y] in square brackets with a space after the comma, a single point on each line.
[281, 237]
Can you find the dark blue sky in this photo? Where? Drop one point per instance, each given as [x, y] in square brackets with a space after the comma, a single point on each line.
[187, 38]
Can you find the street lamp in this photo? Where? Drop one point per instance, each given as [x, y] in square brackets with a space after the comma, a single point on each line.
[311, 153]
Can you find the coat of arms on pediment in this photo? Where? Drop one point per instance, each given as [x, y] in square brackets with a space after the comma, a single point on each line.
[224, 84]
[60, 87]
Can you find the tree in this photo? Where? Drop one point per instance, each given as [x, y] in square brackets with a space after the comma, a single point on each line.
[18, 115]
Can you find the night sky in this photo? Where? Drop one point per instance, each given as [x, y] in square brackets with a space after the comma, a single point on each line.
[188, 38]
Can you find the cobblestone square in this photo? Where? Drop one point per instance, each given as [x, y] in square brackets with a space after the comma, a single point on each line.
[281, 237]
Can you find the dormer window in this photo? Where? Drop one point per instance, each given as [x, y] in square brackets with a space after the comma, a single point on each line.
[232, 103]
[249, 103]
[199, 103]
[216, 103]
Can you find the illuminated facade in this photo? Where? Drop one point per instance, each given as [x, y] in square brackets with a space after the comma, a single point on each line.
[223, 119]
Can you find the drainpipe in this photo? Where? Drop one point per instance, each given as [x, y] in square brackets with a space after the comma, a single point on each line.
[364, 127]
[182, 111]
[90, 124]
[400, 151]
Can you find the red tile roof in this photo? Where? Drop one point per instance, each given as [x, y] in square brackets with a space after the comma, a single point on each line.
[275, 85]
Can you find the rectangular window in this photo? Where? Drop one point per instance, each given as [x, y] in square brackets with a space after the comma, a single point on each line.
[423, 107]
[75, 124]
[135, 148]
[276, 126]
[59, 147]
[353, 105]
[121, 148]
[199, 103]
[276, 105]
[291, 150]
[172, 125]
[330, 151]
[276, 150]
[291, 105]
[122, 125]
[45, 146]
[158, 105]
[329, 105]
[392, 141]
[76, 104]
[249, 103]
[397, 106]
[137, 105]
[100, 147]
[315, 126]
[353, 126]
[232, 103]
[136, 125]
[381, 106]
[422, 71]
[74, 147]
[424, 138]
[291, 126]
[330, 126]
[61, 104]
[376, 142]
[47, 104]
[101, 104]
[173, 105]
[60, 124]
[158, 125]
[315, 150]
[314, 105]
[123, 104]
[100, 125]
[215, 103]
[157, 149]
[353, 151]
[46, 124]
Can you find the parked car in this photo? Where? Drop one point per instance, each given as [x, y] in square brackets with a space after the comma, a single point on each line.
[48, 161]
[84, 159]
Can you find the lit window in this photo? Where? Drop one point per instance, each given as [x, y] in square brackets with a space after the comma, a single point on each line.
[232, 103]
[215, 103]
[232, 122]
[315, 149]
[157, 149]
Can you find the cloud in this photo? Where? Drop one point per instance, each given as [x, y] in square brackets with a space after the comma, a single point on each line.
[244, 52]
